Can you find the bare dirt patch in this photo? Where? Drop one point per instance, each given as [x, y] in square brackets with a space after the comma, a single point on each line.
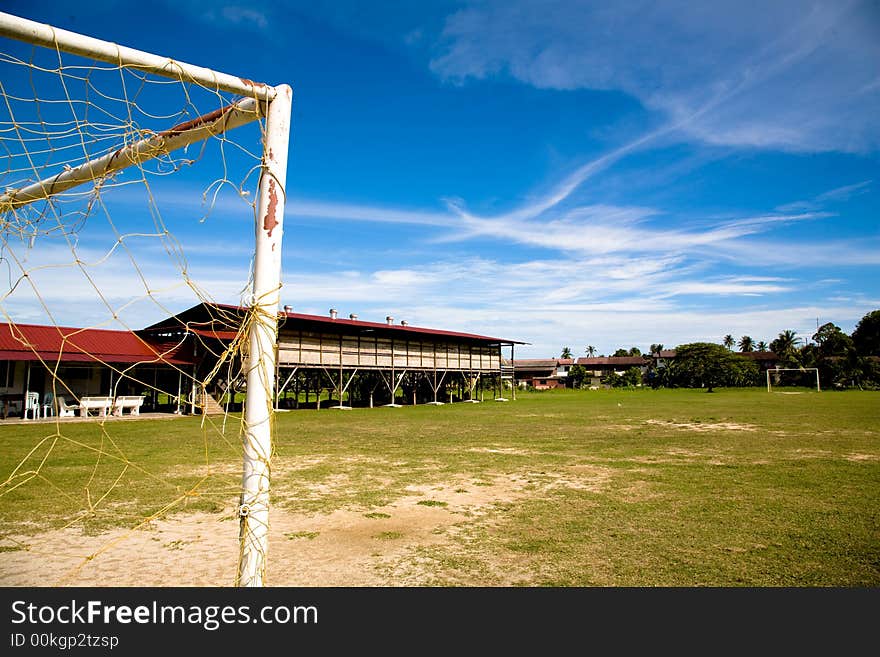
[378, 546]
[639, 491]
[684, 453]
[811, 454]
[701, 427]
[344, 547]
[502, 450]
[592, 478]
[855, 456]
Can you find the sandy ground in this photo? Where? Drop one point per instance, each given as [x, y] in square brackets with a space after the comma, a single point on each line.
[342, 548]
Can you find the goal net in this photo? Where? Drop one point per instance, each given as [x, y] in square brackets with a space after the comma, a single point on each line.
[789, 379]
[125, 182]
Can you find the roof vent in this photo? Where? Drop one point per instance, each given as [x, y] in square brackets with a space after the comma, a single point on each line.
[403, 322]
[353, 317]
[333, 313]
[389, 320]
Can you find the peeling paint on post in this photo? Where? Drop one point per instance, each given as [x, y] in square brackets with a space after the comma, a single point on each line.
[251, 83]
[269, 221]
[263, 333]
[196, 122]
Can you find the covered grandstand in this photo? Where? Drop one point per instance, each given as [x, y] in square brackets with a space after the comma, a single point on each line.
[365, 362]
[190, 362]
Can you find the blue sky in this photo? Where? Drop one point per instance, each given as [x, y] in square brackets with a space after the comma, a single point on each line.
[562, 173]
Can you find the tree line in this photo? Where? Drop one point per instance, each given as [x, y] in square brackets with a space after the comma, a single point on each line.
[843, 361]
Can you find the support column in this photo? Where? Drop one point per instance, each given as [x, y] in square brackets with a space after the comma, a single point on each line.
[512, 374]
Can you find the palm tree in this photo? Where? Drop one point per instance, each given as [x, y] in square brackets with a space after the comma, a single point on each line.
[591, 350]
[728, 341]
[761, 346]
[785, 348]
[785, 343]
[746, 344]
[566, 352]
[656, 349]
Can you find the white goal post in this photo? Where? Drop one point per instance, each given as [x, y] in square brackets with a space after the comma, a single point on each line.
[801, 370]
[257, 102]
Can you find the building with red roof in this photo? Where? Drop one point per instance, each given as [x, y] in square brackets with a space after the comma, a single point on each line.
[193, 358]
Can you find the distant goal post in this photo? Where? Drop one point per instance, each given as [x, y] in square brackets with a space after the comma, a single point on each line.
[776, 375]
[61, 169]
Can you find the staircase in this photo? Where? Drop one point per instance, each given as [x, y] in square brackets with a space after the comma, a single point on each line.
[209, 405]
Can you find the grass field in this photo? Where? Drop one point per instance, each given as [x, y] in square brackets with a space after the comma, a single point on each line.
[567, 488]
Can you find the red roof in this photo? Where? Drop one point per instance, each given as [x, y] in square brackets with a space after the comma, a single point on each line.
[758, 355]
[612, 360]
[397, 328]
[211, 333]
[59, 343]
[539, 363]
[204, 325]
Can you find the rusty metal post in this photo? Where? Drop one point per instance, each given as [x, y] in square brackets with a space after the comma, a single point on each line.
[263, 335]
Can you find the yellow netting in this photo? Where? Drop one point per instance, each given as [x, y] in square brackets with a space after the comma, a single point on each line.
[119, 253]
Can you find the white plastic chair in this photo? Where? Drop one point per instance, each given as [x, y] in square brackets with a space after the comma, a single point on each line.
[48, 404]
[31, 405]
[64, 410]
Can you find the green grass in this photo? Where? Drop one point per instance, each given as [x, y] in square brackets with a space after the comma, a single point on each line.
[620, 488]
[118, 475]
[306, 535]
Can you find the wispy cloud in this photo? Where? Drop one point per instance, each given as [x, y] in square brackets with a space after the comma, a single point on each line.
[244, 15]
[601, 229]
[608, 302]
[836, 195]
[725, 73]
[563, 190]
[807, 255]
[351, 212]
[845, 193]
[587, 230]
[107, 284]
[723, 287]
[219, 13]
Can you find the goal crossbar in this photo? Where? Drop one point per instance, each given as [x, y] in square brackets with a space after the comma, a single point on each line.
[22, 29]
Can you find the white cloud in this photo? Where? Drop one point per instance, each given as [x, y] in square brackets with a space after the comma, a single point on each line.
[598, 229]
[846, 192]
[610, 301]
[722, 288]
[809, 256]
[788, 74]
[836, 195]
[239, 15]
[348, 211]
[91, 286]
